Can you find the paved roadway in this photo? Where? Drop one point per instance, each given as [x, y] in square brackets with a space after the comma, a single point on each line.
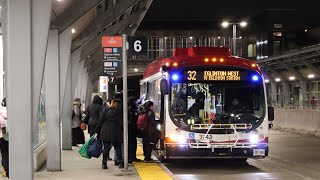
[291, 157]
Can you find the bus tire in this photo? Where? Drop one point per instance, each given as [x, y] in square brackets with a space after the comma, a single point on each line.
[240, 160]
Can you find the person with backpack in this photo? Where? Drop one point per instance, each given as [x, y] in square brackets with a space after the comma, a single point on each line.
[4, 144]
[110, 131]
[93, 113]
[146, 123]
[77, 132]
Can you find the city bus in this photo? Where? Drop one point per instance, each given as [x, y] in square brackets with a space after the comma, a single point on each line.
[209, 104]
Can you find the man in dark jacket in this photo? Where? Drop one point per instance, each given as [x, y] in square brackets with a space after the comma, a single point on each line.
[93, 113]
[132, 129]
[110, 131]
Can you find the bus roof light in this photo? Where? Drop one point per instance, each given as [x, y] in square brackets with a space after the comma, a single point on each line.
[253, 65]
[255, 78]
[167, 64]
[175, 77]
[175, 64]
[206, 59]
[221, 59]
[214, 59]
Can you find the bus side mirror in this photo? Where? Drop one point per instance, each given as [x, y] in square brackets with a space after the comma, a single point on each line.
[270, 113]
[164, 86]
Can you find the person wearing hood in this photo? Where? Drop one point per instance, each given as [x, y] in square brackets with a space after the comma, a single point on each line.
[93, 113]
[77, 132]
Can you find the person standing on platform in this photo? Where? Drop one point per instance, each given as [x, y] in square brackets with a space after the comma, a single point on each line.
[77, 132]
[132, 129]
[4, 144]
[151, 124]
[93, 113]
[110, 131]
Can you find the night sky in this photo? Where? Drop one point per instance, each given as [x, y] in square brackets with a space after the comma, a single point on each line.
[188, 13]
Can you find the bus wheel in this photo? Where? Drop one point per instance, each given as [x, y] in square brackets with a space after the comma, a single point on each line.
[241, 160]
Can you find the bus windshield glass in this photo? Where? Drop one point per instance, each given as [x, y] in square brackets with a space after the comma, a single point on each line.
[219, 102]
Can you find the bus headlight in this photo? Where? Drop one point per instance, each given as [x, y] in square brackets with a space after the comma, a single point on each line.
[182, 139]
[178, 138]
[254, 138]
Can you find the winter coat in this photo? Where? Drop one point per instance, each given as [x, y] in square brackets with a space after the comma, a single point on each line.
[76, 117]
[110, 126]
[93, 114]
[3, 120]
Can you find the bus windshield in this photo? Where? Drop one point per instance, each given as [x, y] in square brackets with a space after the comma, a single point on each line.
[223, 102]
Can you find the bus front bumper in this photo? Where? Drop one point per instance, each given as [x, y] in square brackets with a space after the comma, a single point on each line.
[181, 151]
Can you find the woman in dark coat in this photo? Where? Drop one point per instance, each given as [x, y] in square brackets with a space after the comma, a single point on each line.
[93, 113]
[110, 131]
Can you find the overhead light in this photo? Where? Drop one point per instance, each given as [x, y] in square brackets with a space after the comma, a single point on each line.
[190, 37]
[277, 79]
[73, 30]
[219, 37]
[292, 78]
[136, 69]
[225, 24]
[243, 24]
[240, 37]
[306, 30]
[59, 0]
[266, 81]
[310, 76]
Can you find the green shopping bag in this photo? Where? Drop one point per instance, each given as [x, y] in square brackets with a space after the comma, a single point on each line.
[83, 150]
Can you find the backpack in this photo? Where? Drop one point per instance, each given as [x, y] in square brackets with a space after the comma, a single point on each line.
[142, 122]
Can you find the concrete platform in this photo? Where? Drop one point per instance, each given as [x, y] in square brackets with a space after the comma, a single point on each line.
[76, 167]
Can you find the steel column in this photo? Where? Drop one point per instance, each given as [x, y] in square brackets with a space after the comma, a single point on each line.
[20, 75]
[53, 103]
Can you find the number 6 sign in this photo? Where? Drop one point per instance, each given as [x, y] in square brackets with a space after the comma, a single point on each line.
[138, 46]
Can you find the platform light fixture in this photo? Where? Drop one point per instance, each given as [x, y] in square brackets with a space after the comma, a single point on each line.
[73, 30]
[266, 81]
[243, 23]
[306, 30]
[225, 24]
[277, 79]
[190, 37]
[310, 76]
[136, 69]
[292, 78]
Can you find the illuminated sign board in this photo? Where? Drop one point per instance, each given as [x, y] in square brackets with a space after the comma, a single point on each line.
[220, 75]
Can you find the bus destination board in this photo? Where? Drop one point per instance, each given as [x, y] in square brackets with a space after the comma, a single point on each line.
[220, 75]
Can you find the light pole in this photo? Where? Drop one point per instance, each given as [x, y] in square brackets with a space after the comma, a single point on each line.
[225, 24]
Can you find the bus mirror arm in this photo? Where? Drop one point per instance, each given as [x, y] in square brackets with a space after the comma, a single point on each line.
[270, 113]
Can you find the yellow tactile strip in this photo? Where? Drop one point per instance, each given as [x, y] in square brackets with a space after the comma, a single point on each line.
[150, 170]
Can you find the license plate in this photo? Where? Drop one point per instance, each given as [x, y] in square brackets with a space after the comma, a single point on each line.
[205, 137]
[259, 152]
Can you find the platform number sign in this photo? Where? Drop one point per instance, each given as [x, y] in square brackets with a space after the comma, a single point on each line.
[138, 46]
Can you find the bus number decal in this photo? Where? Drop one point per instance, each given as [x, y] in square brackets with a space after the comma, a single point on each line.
[192, 75]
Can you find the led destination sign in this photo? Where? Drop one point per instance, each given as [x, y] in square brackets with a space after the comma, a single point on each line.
[215, 75]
